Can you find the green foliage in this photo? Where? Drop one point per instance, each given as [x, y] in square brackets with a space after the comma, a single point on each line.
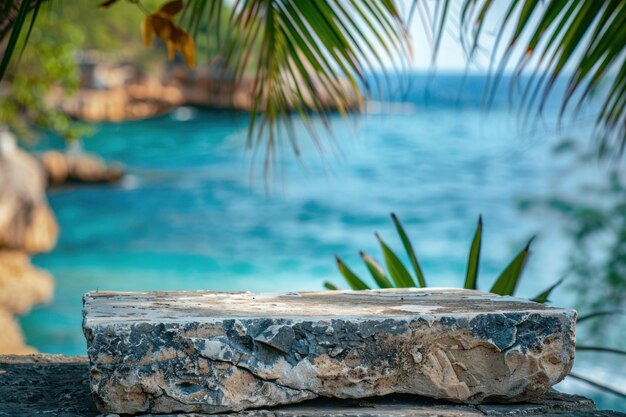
[506, 283]
[21, 10]
[48, 62]
[47, 67]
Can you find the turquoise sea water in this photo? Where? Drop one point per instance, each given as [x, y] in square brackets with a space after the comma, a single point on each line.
[187, 216]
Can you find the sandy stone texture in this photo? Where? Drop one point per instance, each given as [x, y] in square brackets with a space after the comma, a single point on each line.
[211, 352]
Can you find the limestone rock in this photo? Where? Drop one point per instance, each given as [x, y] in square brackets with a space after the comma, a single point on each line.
[27, 225]
[213, 352]
[26, 220]
[80, 167]
[11, 336]
[21, 284]
[21, 287]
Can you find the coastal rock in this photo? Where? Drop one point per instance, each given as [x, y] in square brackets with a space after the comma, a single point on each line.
[21, 284]
[62, 167]
[214, 352]
[27, 225]
[11, 336]
[26, 221]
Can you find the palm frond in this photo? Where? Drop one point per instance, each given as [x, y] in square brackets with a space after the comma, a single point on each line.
[581, 41]
[600, 349]
[598, 385]
[307, 57]
[597, 314]
[14, 19]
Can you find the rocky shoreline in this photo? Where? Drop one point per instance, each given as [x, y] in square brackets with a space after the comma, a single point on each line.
[114, 93]
[28, 226]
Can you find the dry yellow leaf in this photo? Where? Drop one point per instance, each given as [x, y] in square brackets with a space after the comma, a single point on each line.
[188, 50]
[175, 37]
[147, 30]
[162, 25]
[172, 8]
[171, 49]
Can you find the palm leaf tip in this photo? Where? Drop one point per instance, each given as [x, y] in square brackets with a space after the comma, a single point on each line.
[408, 247]
[599, 385]
[473, 261]
[376, 270]
[597, 314]
[330, 286]
[544, 296]
[350, 277]
[506, 284]
[397, 270]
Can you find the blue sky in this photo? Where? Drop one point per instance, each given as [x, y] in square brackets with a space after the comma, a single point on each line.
[451, 56]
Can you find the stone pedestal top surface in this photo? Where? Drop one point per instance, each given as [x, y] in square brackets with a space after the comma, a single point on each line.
[207, 306]
[212, 352]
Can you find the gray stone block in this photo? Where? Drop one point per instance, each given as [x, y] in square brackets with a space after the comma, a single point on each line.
[210, 352]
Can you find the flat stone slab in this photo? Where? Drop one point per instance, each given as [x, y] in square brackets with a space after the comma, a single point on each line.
[212, 352]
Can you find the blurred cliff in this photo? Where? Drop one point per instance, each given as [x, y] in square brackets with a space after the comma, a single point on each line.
[27, 226]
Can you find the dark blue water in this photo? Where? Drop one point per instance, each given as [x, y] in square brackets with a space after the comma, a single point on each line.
[188, 216]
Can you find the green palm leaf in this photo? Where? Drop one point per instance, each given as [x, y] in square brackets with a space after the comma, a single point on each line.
[543, 297]
[330, 286]
[377, 271]
[408, 247]
[599, 385]
[471, 277]
[506, 283]
[398, 272]
[351, 278]
[597, 314]
[600, 349]
[20, 12]
[305, 56]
